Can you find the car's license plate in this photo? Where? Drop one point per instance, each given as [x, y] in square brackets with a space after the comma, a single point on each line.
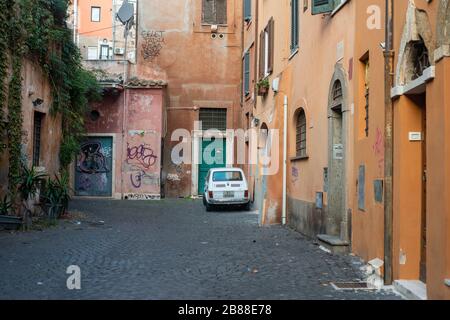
[228, 194]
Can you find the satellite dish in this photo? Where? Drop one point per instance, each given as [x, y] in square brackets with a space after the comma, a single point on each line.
[126, 12]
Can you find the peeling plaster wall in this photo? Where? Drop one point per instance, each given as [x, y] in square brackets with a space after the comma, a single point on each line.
[35, 86]
[138, 152]
[201, 72]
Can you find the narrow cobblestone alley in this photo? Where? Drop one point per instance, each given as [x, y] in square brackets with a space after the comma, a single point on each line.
[172, 249]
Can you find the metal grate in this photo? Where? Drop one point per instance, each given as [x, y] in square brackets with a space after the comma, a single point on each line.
[351, 286]
[213, 119]
[301, 134]
[37, 138]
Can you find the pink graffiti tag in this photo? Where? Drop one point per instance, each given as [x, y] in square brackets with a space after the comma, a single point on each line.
[142, 154]
[378, 149]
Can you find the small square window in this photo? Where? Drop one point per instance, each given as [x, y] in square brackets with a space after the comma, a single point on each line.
[95, 14]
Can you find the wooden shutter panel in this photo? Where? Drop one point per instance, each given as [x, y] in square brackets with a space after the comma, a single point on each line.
[247, 10]
[322, 6]
[247, 73]
[271, 29]
[208, 15]
[221, 11]
[294, 24]
[261, 55]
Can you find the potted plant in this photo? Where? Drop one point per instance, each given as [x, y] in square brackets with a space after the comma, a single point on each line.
[263, 87]
[7, 221]
[29, 182]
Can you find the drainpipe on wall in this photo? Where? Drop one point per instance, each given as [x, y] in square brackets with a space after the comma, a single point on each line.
[255, 71]
[285, 133]
[389, 148]
[75, 21]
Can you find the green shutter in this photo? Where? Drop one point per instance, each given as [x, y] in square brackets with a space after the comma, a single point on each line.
[322, 6]
[294, 24]
[247, 73]
[248, 10]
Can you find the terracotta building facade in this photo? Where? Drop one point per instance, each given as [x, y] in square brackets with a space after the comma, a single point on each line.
[186, 71]
[321, 65]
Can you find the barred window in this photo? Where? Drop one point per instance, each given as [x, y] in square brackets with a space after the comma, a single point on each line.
[337, 90]
[301, 134]
[214, 11]
[214, 119]
[37, 128]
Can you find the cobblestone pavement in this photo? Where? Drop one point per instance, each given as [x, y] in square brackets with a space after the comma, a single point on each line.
[172, 249]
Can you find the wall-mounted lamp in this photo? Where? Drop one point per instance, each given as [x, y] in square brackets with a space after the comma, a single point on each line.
[38, 102]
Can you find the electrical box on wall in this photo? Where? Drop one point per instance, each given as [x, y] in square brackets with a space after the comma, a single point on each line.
[276, 85]
[415, 136]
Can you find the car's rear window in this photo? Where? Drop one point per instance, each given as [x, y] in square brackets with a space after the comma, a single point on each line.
[227, 176]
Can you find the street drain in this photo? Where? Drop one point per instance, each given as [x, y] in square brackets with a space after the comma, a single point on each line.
[351, 286]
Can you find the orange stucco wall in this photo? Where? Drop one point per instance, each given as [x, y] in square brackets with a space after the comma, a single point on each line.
[368, 226]
[88, 28]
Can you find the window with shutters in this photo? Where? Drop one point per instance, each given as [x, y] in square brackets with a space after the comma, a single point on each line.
[214, 12]
[266, 58]
[326, 6]
[294, 25]
[301, 134]
[247, 10]
[246, 74]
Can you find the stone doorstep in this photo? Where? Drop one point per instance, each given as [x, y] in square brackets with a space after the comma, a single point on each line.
[335, 244]
[411, 289]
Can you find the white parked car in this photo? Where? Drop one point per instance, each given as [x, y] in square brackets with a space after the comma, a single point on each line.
[227, 186]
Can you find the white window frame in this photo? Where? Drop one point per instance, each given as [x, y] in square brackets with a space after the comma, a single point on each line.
[89, 56]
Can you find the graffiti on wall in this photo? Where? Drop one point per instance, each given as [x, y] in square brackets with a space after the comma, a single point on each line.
[152, 44]
[138, 177]
[92, 159]
[295, 175]
[141, 155]
[140, 196]
[93, 176]
[378, 149]
[141, 158]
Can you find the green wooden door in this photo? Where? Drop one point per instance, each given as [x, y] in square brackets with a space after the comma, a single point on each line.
[213, 155]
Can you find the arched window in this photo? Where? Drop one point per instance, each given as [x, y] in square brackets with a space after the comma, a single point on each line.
[337, 90]
[263, 136]
[301, 134]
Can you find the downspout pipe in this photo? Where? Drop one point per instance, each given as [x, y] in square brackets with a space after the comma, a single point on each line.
[285, 136]
[389, 147]
[75, 21]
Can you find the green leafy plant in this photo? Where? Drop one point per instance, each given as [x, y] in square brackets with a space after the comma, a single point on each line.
[5, 206]
[29, 182]
[57, 195]
[263, 83]
[36, 30]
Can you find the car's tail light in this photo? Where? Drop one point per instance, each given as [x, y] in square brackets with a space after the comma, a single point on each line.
[211, 194]
[246, 194]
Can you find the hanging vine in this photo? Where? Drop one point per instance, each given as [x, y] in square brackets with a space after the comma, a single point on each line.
[16, 42]
[3, 71]
[36, 30]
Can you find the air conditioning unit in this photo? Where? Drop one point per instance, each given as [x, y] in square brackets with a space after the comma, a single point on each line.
[119, 51]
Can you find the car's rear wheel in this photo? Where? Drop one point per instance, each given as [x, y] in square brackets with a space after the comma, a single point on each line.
[246, 207]
[209, 207]
[204, 200]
